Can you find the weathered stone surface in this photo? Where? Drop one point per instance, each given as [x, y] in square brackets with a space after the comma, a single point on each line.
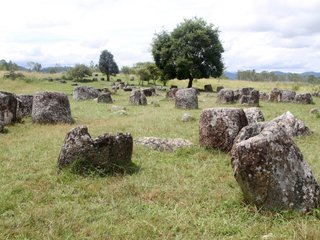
[127, 89]
[105, 152]
[225, 96]
[245, 91]
[263, 96]
[163, 144]
[85, 93]
[236, 95]
[251, 100]
[288, 96]
[186, 98]
[186, 117]
[247, 96]
[137, 97]
[51, 108]
[219, 88]
[148, 92]
[253, 115]
[218, 127]
[275, 95]
[105, 98]
[8, 108]
[171, 94]
[1, 127]
[314, 110]
[292, 126]
[304, 98]
[117, 108]
[271, 171]
[208, 88]
[24, 105]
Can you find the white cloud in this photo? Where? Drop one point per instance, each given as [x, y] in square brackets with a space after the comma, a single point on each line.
[261, 35]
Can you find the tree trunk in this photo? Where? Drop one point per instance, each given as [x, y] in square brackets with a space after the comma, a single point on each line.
[190, 82]
[108, 77]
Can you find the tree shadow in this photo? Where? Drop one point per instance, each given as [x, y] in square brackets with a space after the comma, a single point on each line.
[86, 169]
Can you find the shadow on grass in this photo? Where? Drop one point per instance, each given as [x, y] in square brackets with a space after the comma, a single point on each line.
[86, 169]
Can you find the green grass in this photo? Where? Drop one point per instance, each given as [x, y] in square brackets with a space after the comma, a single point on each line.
[188, 194]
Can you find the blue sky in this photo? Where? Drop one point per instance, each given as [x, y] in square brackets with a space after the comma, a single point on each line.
[256, 34]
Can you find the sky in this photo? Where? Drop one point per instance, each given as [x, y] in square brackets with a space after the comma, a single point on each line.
[270, 35]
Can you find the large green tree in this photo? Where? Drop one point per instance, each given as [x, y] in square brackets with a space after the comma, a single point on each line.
[107, 65]
[192, 50]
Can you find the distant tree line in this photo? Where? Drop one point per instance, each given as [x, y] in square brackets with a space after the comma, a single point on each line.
[8, 66]
[265, 76]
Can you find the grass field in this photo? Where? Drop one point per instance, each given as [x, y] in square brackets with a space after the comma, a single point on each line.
[188, 194]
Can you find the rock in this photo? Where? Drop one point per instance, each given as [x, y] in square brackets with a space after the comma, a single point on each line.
[253, 115]
[127, 89]
[1, 127]
[137, 97]
[163, 144]
[314, 110]
[171, 94]
[247, 96]
[208, 88]
[85, 93]
[225, 96]
[271, 171]
[51, 108]
[245, 91]
[102, 154]
[8, 108]
[121, 85]
[248, 100]
[219, 88]
[105, 98]
[293, 126]
[148, 92]
[288, 96]
[218, 127]
[236, 95]
[104, 90]
[186, 98]
[186, 117]
[122, 112]
[264, 96]
[24, 105]
[117, 108]
[275, 95]
[173, 86]
[304, 98]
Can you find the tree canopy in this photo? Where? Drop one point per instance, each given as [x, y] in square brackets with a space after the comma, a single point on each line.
[107, 65]
[79, 71]
[34, 66]
[147, 71]
[191, 50]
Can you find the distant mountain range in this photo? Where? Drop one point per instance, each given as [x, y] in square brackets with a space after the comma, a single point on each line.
[233, 75]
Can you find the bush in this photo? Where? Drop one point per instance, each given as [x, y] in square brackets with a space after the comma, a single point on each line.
[296, 87]
[79, 72]
[13, 75]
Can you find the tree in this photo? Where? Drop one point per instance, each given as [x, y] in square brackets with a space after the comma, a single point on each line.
[147, 71]
[79, 71]
[34, 66]
[191, 50]
[125, 70]
[107, 65]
